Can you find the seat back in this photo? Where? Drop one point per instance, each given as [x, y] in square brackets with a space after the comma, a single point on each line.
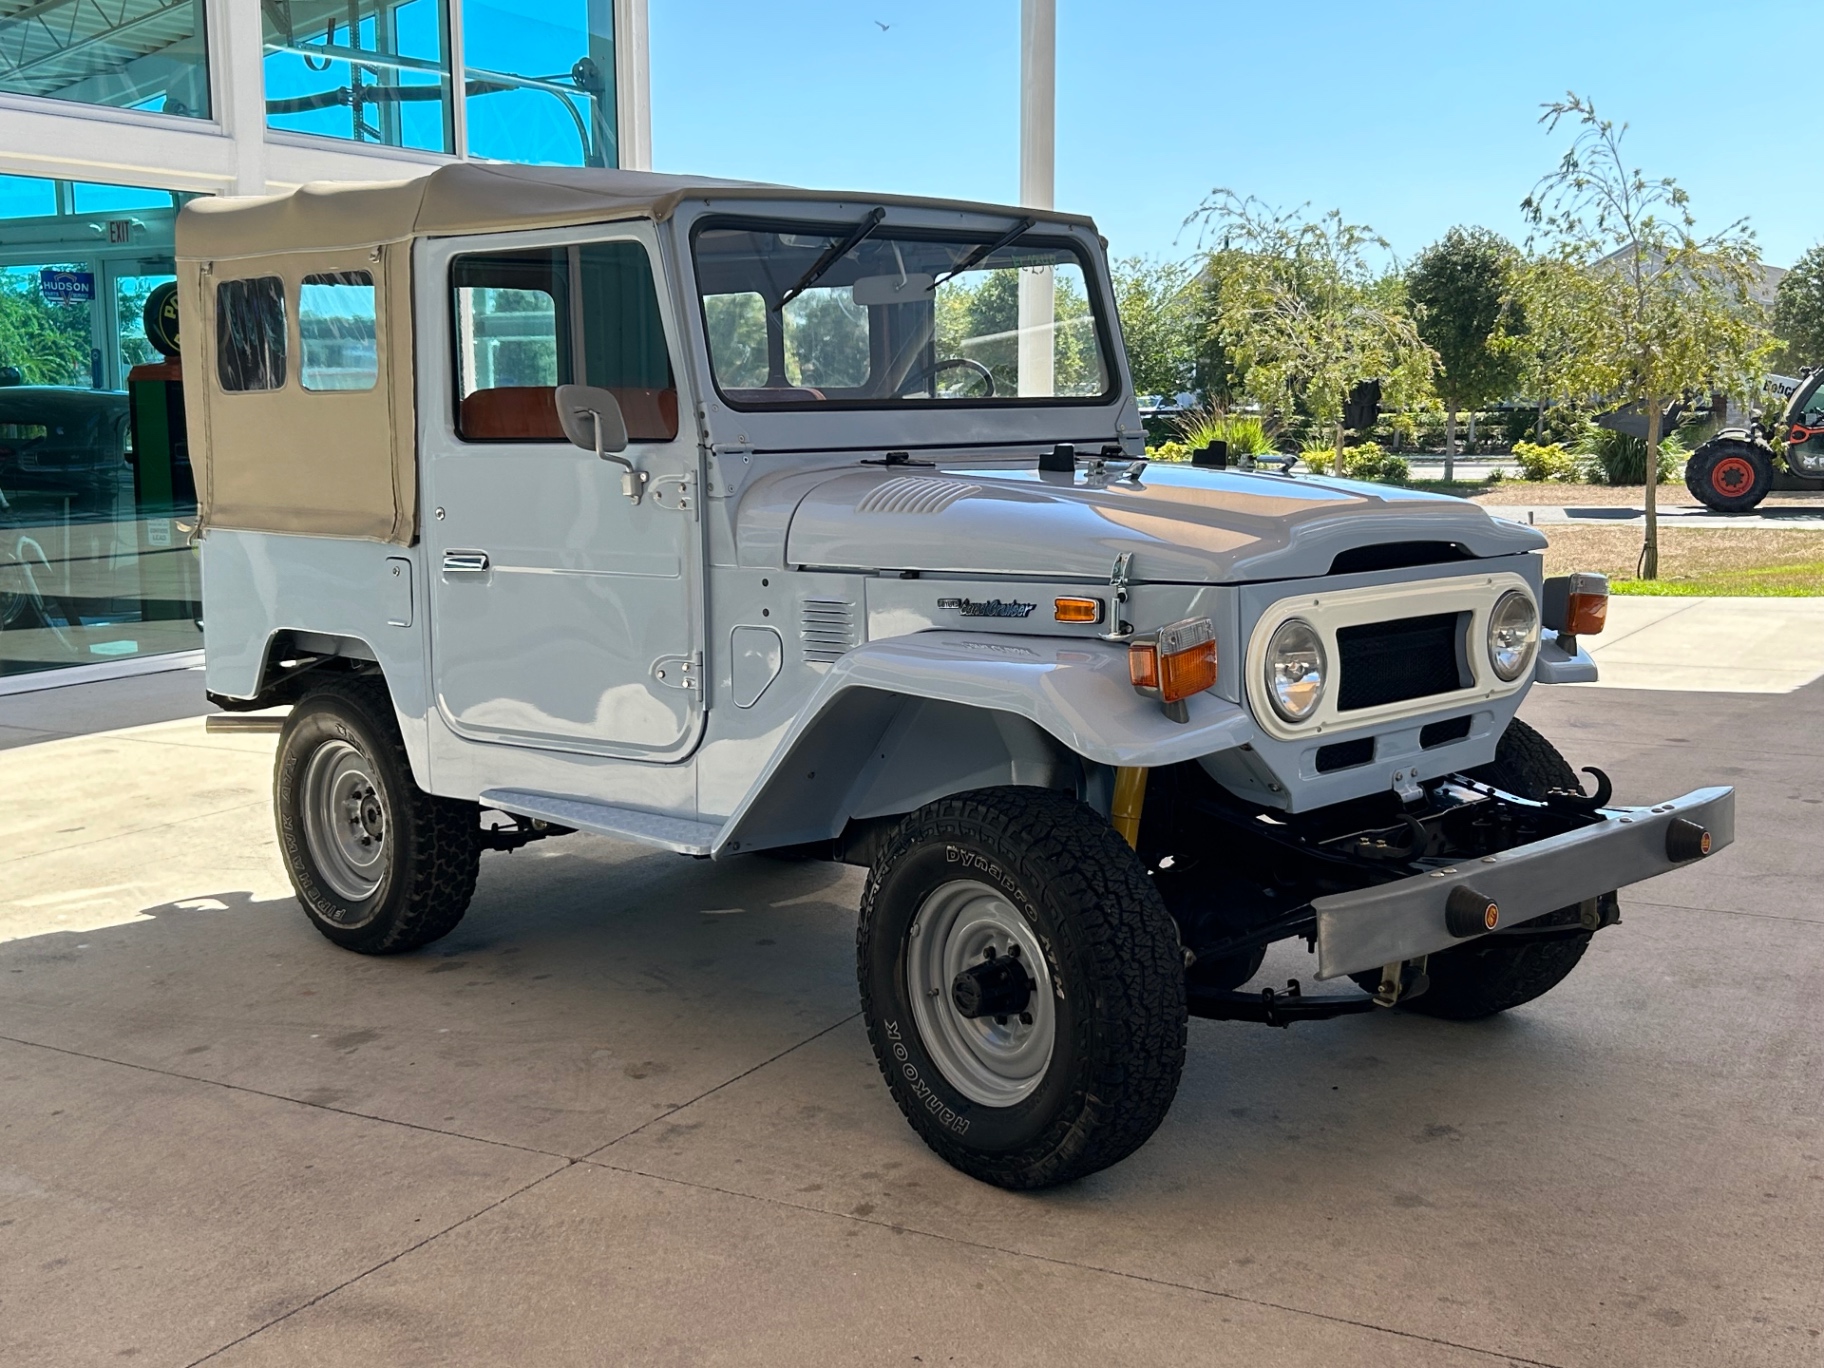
[528, 413]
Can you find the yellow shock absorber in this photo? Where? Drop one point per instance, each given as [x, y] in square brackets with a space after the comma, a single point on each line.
[1130, 799]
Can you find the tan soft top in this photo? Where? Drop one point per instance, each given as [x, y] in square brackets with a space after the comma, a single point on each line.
[342, 463]
[475, 197]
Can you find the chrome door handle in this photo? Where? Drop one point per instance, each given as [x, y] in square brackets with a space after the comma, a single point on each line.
[465, 562]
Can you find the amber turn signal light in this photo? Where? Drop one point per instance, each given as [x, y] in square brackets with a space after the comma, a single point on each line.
[1143, 665]
[1576, 605]
[1078, 610]
[1176, 661]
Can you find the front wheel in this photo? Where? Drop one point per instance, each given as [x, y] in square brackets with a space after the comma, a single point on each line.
[379, 865]
[1023, 986]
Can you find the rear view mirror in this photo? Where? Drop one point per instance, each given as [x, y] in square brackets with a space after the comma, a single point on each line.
[913, 288]
[591, 418]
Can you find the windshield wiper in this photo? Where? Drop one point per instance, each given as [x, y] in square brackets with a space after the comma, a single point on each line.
[836, 253]
[988, 249]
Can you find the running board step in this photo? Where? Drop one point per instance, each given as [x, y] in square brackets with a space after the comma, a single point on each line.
[681, 834]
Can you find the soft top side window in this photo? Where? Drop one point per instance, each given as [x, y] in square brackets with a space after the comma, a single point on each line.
[525, 319]
[250, 334]
[336, 332]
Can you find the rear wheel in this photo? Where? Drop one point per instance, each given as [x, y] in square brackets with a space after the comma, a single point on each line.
[1023, 986]
[379, 865]
[1729, 475]
[1493, 973]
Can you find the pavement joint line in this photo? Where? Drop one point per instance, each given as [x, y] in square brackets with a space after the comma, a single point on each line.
[281, 1097]
[1147, 1278]
[667, 1115]
[133, 831]
[1604, 645]
[390, 1259]
[1726, 912]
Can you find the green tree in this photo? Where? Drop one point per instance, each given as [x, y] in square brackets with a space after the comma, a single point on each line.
[48, 342]
[1652, 310]
[1798, 311]
[1159, 304]
[1304, 315]
[1459, 285]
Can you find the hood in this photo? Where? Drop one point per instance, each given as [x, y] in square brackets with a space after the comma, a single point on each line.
[1181, 524]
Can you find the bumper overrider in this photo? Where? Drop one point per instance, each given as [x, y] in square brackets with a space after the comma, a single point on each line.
[1425, 913]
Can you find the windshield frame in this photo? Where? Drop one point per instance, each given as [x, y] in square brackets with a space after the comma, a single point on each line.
[1057, 239]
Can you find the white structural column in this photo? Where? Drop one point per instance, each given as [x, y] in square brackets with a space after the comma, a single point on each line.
[632, 86]
[237, 42]
[1038, 162]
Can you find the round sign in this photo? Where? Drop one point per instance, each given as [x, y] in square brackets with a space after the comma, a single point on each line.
[161, 320]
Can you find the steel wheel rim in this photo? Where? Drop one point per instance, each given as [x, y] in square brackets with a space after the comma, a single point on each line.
[993, 1062]
[344, 821]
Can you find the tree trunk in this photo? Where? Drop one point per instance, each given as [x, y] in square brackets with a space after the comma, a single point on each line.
[1539, 423]
[1471, 448]
[1450, 442]
[1649, 551]
[1338, 470]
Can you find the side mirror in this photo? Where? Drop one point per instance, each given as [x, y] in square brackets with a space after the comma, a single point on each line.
[591, 418]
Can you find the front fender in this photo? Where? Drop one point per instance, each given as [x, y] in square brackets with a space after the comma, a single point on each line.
[1076, 691]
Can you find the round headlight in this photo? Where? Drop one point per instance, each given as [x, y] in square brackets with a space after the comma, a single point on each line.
[1513, 635]
[1296, 670]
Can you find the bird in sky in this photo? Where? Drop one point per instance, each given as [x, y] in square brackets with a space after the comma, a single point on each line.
[883, 27]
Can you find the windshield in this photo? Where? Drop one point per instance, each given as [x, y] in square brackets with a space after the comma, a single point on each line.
[893, 322]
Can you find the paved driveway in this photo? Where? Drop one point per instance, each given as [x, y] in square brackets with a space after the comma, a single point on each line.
[626, 1113]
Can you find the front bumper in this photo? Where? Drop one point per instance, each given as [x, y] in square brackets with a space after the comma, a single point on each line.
[1405, 919]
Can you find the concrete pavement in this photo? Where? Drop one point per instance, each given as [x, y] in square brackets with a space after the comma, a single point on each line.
[626, 1114]
[1721, 645]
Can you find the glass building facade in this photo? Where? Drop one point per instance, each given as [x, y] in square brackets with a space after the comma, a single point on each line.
[95, 484]
[537, 80]
[149, 55]
[96, 491]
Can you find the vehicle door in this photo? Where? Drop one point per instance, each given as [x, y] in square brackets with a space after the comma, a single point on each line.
[565, 613]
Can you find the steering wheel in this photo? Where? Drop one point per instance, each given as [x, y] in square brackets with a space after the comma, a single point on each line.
[952, 363]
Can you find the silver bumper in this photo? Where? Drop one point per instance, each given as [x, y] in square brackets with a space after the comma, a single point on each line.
[1405, 919]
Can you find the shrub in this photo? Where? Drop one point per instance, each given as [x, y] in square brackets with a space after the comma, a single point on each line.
[1622, 460]
[1549, 461]
[1246, 434]
[1494, 476]
[1369, 462]
[1318, 457]
[1170, 451]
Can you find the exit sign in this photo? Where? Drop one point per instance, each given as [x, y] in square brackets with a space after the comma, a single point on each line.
[120, 231]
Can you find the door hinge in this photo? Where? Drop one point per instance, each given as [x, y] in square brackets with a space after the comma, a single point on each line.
[679, 671]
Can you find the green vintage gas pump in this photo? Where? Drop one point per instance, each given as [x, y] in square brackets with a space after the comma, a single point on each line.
[164, 489]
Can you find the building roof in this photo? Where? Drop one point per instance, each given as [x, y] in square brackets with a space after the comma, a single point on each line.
[478, 197]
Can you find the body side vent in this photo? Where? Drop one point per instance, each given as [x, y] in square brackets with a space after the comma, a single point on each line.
[826, 628]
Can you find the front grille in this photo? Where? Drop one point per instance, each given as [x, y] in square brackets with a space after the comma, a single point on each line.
[1390, 662]
[1443, 733]
[1342, 755]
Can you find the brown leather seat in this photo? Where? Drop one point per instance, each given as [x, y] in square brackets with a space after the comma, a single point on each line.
[528, 413]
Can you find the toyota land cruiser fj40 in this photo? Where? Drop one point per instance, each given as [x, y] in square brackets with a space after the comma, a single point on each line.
[732, 518]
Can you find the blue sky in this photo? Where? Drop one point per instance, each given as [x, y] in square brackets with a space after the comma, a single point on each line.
[1411, 115]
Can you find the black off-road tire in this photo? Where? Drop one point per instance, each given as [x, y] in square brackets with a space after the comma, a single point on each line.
[1114, 962]
[1493, 973]
[431, 848]
[1729, 475]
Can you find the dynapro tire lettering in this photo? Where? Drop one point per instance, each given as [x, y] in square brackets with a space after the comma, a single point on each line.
[920, 1089]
